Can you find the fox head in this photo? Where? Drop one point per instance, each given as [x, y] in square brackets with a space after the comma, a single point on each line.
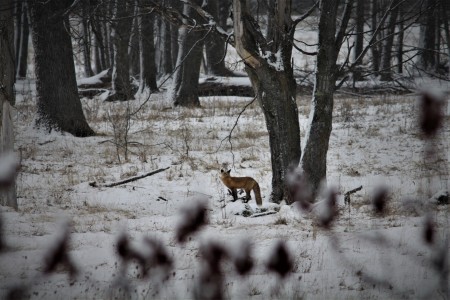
[224, 173]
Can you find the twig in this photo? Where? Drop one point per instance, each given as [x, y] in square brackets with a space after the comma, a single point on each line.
[234, 126]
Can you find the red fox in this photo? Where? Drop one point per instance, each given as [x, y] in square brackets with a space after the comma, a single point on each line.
[246, 183]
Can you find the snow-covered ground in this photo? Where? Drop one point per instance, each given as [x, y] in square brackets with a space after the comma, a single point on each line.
[375, 142]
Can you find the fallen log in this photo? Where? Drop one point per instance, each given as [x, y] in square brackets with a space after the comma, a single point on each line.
[131, 179]
[225, 86]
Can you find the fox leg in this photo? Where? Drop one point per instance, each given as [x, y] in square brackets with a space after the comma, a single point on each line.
[247, 196]
[233, 193]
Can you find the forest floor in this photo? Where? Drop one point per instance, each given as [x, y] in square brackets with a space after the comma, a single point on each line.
[375, 143]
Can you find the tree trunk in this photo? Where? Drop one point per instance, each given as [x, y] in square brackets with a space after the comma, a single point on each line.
[376, 52]
[275, 91]
[359, 40]
[274, 86]
[185, 80]
[121, 27]
[314, 159]
[86, 40]
[166, 66]
[24, 34]
[215, 47]
[400, 47]
[58, 105]
[147, 50]
[386, 70]
[133, 47]
[427, 42]
[100, 47]
[7, 98]
[446, 29]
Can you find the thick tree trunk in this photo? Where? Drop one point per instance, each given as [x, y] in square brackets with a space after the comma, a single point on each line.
[215, 46]
[376, 52]
[400, 47]
[359, 40]
[133, 47]
[427, 42]
[24, 34]
[386, 71]
[147, 50]
[274, 85]
[121, 36]
[86, 40]
[100, 48]
[314, 159]
[58, 105]
[275, 90]
[7, 99]
[166, 48]
[185, 80]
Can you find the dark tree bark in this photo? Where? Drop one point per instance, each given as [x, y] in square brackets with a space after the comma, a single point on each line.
[147, 49]
[386, 70]
[22, 40]
[7, 98]
[185, 80]
[133, 48]
[314, 159]
[427, 42]
[274, 86]
[215, 46]
[166, 48]
[101, 49]
[86, 38]
[58, 105]
[400, 46]
[376, 51]
[123, 20]
[359, 40]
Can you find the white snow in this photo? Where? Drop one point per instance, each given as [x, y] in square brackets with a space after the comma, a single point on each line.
[374, 139]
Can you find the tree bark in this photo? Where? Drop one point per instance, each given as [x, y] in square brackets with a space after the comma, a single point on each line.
[134, 47]
[314, 159]
[86, 39]
[427, 42]
[359, 40]
[386, 71]
[58, 104]
[121, 27]
[185, 80]
[376, 52]
[274, 85]
[7, 98]
[215, 47]
[147, 50]
[24, 34]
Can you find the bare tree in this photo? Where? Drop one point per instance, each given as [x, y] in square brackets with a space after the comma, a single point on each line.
[58, 104]
[386, 70]
[185, 80]
[22, 36]
[121, 26]
[147, 48]
[215, 45]
[268, 62]
[314, 158]
[7, 97]
[427, 43]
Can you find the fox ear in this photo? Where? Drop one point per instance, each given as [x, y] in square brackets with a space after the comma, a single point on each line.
[229, 171]
[222, 171]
